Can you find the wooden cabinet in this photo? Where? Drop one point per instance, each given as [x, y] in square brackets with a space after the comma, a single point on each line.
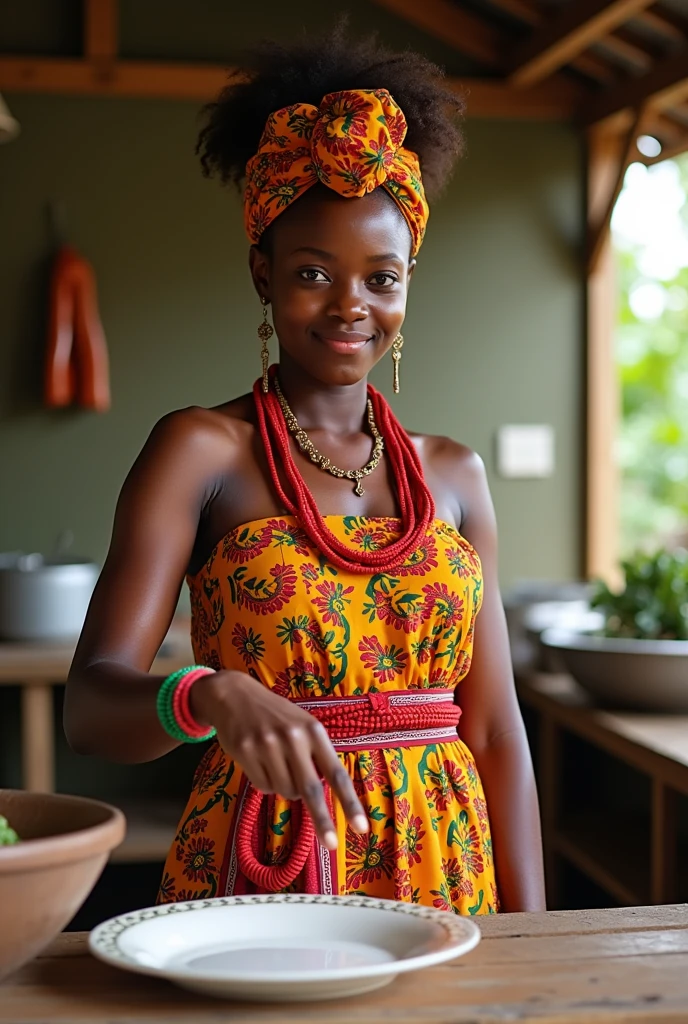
[624, 836]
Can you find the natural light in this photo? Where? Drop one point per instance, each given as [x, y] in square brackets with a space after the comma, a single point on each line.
[650, 233]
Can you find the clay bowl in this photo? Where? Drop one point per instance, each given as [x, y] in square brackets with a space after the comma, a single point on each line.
[46, 877]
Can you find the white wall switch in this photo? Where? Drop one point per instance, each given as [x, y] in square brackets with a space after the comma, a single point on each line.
[525, 450]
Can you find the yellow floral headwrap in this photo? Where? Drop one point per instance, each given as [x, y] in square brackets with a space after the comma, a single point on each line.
[352, 143]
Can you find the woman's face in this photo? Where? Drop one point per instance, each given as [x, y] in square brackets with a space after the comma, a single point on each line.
[337, 276]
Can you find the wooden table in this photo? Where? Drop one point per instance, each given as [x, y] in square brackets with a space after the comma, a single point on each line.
[562, 967]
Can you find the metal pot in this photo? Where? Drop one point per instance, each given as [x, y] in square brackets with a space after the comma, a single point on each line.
[558, 596]
[44, 598]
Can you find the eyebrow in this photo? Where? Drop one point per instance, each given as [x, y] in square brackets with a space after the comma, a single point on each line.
[330, 256]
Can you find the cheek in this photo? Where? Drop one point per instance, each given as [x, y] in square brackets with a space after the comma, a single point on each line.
[297, 308]
[389, 310]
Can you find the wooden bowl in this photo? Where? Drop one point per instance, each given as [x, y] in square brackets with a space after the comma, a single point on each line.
[45, 878]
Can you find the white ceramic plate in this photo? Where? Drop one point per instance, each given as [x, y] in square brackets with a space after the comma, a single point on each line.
[283, 946]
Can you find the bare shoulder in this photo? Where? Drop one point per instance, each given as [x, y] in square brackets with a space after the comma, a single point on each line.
[449, 455]
[456, 476]
[202, 433]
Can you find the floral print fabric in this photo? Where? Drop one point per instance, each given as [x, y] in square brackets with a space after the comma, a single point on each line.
[267, 603]
[352, 143]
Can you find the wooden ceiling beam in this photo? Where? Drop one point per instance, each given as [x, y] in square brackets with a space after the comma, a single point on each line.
[588, 64]
[664, 23]
[486, 98]
[459, 28]
[101, 29]
[122, 78]
[594, 67]
[525, 10]
[467, 34]
[627, 48]
[665, 85]
[666, 129]
[566, 35]
[494, 98]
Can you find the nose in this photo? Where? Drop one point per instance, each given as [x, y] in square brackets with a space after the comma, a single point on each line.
[346, 303]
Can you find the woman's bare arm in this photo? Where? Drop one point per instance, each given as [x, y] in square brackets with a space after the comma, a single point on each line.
[110, 700]
[492, 725]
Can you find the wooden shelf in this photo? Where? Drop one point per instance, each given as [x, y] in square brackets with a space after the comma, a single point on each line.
[151, 827]
[607, 850]
[637, 862]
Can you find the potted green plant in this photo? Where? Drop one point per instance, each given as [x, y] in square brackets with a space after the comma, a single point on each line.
[639, 656]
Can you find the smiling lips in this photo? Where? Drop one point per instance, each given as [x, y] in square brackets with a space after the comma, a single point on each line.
[347, 342]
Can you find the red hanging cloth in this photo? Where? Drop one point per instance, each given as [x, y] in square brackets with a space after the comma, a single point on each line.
[76, 365]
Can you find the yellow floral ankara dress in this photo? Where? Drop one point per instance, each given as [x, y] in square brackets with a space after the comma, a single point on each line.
[268, 603]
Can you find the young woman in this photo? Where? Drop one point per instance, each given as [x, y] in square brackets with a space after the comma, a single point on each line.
[336, 564]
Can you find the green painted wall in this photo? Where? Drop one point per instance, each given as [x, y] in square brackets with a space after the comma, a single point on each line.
[494, 331]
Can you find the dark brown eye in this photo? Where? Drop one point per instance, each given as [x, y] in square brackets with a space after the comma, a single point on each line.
[313, 274]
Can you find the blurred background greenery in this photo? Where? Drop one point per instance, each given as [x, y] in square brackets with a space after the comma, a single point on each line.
[650, 231]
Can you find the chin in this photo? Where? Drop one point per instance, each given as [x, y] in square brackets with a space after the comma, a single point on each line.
[332, 370]
[341, 375]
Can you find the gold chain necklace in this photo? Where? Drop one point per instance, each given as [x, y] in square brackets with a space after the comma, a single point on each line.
[308, 448]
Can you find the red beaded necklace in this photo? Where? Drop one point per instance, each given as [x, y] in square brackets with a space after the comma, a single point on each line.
[415, 500]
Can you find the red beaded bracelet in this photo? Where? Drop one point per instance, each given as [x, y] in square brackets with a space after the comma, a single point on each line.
[180, 704]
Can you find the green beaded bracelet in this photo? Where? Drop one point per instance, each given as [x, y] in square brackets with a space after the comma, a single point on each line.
[164, 704]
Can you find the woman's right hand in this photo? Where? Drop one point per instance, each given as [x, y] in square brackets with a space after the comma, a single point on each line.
[279, 746]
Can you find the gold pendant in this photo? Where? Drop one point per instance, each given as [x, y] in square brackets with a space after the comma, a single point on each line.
[358, 489]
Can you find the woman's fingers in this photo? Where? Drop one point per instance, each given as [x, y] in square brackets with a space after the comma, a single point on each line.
[309, 786]
[251, 764]
[336, 774]
[283, 751]
[276, 766]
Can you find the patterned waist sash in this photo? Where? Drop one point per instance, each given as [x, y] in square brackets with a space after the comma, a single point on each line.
[398, 718]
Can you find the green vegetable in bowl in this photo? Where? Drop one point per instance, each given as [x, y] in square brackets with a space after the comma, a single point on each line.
[653, 604]
[8, 837]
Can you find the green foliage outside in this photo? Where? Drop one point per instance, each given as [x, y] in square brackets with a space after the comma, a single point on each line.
[8, 837]
[653, 603]
[652, 358]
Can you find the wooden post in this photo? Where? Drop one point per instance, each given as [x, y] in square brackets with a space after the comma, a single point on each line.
[663, 860]
[38, 740]
[607, 152]
[101, 30]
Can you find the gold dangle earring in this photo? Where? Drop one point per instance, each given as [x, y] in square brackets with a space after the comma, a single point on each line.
[265, 332]
[396, 356]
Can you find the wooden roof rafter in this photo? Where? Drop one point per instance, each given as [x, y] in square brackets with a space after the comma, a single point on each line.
[664, 28]
[101, 30]
[443, 20]
[566, 35]
[465, 32]
[664, 86]
[582, 61]
[645, 42]
[100, 72]
[529, 13]
[665, 23]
